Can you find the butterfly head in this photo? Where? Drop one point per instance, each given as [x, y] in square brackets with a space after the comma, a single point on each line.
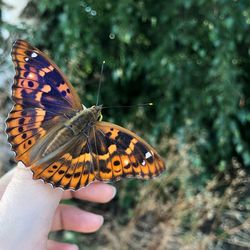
[97, 112]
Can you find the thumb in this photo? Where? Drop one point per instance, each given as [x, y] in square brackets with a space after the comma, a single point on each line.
[27, 208]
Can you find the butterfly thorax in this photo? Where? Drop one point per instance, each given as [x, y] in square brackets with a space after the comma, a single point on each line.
[79, 124]
[83, 120]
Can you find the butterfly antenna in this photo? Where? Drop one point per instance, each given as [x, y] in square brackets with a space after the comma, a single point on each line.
[130, 106]
[100, 83]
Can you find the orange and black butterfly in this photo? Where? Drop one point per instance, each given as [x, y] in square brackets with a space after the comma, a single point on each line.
[60, 140]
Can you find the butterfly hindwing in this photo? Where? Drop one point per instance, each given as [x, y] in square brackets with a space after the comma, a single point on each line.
[72, 170]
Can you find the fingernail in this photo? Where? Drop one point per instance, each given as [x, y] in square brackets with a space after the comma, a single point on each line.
[114, 192]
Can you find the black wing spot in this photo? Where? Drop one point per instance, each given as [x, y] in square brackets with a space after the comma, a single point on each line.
[60, 172]
[135, 164]
[30, 84]
[76, 175]
[29, 142]
[20, 129]
[127, 166]
[68, 176]
[24, 136]
[21, 121]
[116, 163]
[54, 166]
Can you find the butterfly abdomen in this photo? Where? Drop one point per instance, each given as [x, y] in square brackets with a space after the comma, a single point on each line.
[61, 138]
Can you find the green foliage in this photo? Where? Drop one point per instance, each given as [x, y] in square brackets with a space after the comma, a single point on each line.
[190, 58]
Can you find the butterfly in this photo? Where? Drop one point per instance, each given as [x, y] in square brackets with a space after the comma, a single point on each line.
[60, 140]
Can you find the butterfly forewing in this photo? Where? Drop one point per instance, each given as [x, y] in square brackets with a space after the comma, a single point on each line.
[40, 101]
[39, 81]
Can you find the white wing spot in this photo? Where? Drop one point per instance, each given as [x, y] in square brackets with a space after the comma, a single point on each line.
[34, 54]
[143, 163]
[26, 59]
[148, 155]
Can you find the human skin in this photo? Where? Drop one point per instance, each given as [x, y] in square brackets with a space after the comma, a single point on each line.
[30, 209]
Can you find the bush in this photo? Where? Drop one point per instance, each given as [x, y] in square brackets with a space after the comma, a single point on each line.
[190, 58]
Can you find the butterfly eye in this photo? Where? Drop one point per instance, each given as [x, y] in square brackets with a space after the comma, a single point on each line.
[99, 117]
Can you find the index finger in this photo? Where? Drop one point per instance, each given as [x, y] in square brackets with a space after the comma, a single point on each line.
[95, 192]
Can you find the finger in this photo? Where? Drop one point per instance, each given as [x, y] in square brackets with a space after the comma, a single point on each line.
[27, 202]
[4, 181]
[95, 192]
[72, 218]
[54, 245]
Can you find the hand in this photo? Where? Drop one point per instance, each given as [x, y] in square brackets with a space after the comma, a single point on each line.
[29, 210]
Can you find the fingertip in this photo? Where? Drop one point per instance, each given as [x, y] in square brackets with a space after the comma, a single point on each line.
[69, 247]
[94, 223]
[73, 247]
[95, 192]
[103, 192]
[99, 223]
[68, 217]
